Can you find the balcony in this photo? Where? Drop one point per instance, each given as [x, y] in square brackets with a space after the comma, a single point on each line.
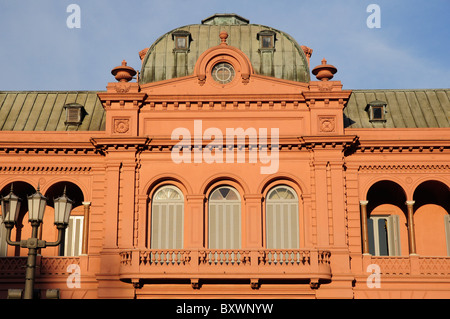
[413, 265]
[46, 267]
[143, 265]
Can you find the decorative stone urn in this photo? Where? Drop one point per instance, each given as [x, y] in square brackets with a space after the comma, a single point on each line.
[324, 72]
[123, 73]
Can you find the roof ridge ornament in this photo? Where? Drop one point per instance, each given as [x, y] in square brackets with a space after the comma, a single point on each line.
[223, 37]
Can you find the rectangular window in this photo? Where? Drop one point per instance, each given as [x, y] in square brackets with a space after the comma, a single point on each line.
[377, 113]
[181, 39]
[384, 235]
[267, 42]
[181, 42]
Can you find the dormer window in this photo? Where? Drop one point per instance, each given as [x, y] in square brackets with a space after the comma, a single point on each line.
[181, 40]
[266, 40]
[377, 111]
[74, 114]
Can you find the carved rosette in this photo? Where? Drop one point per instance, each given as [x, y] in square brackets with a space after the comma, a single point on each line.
[327, 124]
[121, 126]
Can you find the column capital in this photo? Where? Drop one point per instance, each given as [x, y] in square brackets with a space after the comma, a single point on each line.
[86, 203]
[409, 202]
[363, 202]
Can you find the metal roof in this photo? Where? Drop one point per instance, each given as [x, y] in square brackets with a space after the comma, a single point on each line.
[418, 108]
[44, 111]
[286, 61]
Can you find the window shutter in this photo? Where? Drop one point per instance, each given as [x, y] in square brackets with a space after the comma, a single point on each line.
[282, 224]
[224, 221]
[3, 244]
[167, 219]
[394, 235]
[447, 232]
[73, 115]
[74, 236]
[371, 236]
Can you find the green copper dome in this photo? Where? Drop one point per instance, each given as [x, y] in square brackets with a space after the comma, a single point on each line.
[271, 52]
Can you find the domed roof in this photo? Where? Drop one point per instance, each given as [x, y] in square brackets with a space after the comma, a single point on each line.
[271, 52]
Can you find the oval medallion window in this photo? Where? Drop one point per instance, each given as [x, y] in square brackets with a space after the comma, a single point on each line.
[223, 73]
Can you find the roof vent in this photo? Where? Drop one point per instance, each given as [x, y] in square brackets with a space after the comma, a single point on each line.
[74, 114]
[377, 111]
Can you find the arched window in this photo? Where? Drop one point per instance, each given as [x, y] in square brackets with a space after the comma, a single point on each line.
[224, 219]
[167, 218]
[282, 221]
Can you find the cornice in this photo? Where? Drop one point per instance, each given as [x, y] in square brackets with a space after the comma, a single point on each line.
[45, 148]
[407, 168]
[106, 144]
[236, 102]
[31, 169]
[404, 146]
[284, 143]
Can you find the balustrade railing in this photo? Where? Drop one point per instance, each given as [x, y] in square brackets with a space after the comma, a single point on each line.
[285, 257]
[45, 266]
[164, 257]
[411, 265]
[224, 257]
[271, 263]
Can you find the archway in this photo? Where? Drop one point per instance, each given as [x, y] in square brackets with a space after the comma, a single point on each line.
[431, 218]
[73, 234]
[386, 219]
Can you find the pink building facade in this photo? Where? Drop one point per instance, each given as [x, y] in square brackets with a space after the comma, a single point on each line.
[223, 170]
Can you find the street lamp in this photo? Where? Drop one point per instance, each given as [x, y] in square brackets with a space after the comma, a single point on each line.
[10, 208]
[36, 207]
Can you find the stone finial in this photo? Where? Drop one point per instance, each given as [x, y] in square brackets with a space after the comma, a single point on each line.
[142, 53]
[223, 37]
[123, 73]
[324, 72]
[308, 52]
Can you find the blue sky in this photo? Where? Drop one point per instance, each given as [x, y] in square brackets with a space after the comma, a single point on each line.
[39, 52]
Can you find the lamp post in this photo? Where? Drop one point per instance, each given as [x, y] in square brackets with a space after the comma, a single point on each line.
[36, 207]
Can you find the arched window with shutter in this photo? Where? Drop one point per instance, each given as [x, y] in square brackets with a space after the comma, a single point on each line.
[282, 220]
[224, 219]
[167, 218]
